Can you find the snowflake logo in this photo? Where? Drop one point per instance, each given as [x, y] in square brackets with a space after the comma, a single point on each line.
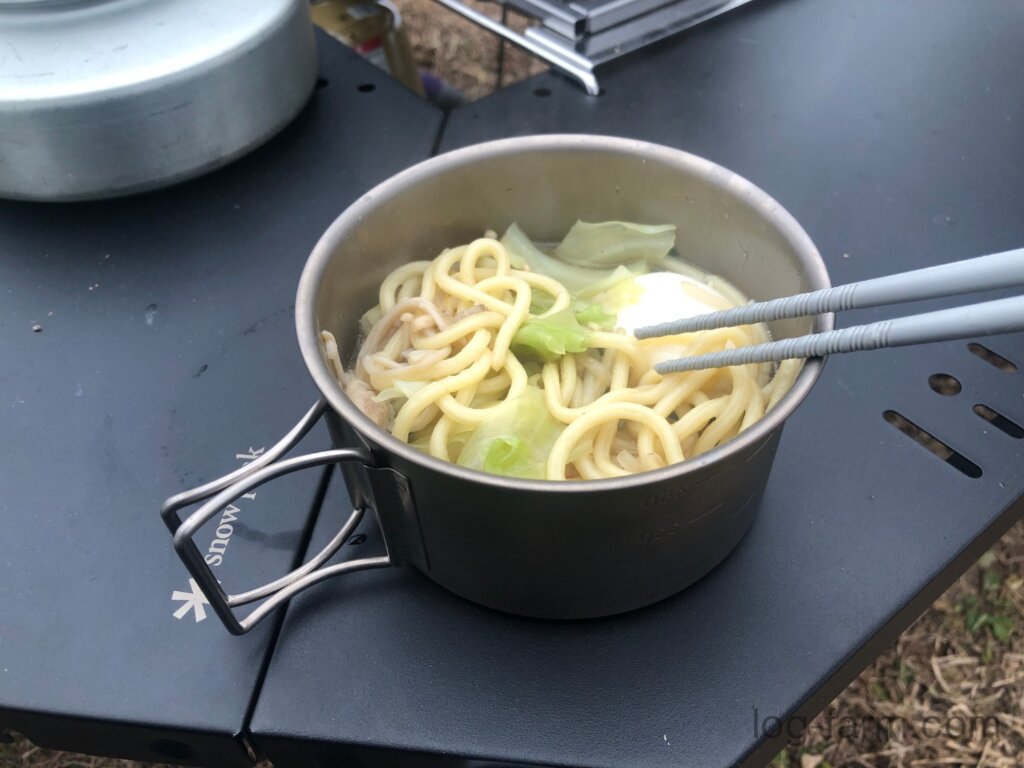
[194, 600]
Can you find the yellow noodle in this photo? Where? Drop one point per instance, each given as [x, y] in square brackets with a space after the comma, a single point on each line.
[646, 395]
[458, 330]
[755, 406]
[651, 461]
[331, 350]
[450, 322]
[606, 434]
[517, 376]
[393, 283]
[409, 288]
[687, 444]
[458, 409]
[621, 343]
[498, 383]
[784, 378]
[569, 378]
[425, 419]
[459, 290]
[559, 457]
[439, 438]
[476, 346]
[697, 398]
[463, 414]
[587, 469]
[427, 396]
[697, 418]
[548, 285]
[516, 317]
[602, 457]
[483, 247]
[728, 419]
[620, 374]
[442, 430]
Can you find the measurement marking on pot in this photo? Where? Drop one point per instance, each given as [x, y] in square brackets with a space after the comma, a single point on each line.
[656, 534]
[761, 447]
[666, 496]
[705, 513]
[744, 505]
[713, 477]
[932, 444]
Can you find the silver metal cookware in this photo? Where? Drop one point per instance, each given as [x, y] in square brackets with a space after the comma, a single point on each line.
[100, 98]
[547, 549]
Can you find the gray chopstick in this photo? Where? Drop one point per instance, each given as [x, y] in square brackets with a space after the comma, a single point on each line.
[985, 319]
[999, 270]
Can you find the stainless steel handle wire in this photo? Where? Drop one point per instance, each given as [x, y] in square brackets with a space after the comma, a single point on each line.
[225, 490]
[169, 509]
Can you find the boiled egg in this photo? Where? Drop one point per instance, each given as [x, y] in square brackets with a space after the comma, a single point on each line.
[664, 297]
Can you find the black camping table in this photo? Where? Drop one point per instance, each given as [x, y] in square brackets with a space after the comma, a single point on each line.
[892, 131]
[166, 357]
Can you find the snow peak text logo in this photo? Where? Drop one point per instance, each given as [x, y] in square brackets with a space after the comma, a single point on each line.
[222, 536]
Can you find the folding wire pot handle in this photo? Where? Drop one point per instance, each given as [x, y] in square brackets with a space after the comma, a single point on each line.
[225, 490]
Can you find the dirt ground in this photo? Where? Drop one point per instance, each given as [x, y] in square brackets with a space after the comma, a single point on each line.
[463, 54]
[949, 692]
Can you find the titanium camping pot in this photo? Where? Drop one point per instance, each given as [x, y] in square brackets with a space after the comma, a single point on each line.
[549, 549]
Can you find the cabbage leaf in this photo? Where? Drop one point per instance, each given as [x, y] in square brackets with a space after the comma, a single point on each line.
[574, 277]
[587, 312]
[551, 337]
[620, 280]
[612, 243]
[515, 439]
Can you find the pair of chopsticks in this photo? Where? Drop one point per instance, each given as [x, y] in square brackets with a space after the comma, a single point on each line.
[999, 270]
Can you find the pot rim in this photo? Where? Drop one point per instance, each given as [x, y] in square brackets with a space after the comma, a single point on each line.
[307, 329]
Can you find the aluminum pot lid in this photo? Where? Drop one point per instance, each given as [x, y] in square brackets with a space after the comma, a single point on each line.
[97, 82]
